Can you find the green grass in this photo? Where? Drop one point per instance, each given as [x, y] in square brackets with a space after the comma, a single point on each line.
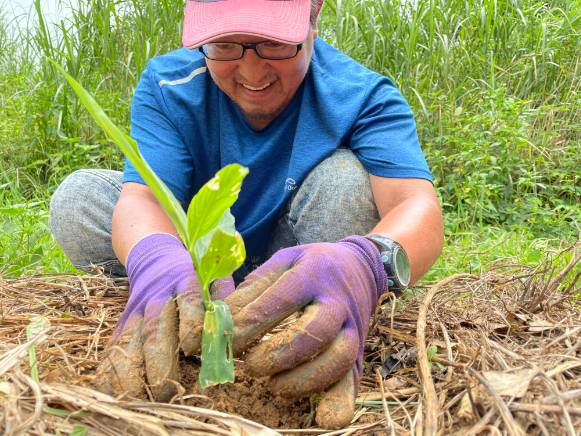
[479, 250]
[495, 86]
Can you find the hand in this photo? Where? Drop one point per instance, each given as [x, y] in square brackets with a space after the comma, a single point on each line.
[338, 285]
[144, 345]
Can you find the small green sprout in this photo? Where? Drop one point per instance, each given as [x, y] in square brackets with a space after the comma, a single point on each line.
[79, 430]
[32, 356]
[208, 233]
[432, 351]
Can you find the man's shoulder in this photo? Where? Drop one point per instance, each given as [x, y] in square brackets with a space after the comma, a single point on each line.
[176, 67]
[344, 88]
[336, 65]
[338, 74]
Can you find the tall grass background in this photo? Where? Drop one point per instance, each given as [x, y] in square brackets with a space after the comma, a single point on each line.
[494, 84]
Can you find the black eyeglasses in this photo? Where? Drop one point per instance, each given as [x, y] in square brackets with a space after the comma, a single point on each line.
[230, 51]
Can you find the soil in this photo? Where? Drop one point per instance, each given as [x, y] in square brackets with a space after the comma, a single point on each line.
[249, 398]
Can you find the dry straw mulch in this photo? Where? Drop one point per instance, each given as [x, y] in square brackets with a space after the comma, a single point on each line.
[503, 343]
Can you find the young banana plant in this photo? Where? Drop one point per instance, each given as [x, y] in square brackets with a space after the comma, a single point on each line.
[208, 233]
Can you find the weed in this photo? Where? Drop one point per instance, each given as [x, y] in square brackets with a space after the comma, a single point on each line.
[432, 351]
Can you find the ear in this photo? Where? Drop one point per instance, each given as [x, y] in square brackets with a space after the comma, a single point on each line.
[320, 3]
[314, 28]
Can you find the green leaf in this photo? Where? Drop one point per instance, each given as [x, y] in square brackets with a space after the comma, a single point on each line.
[209, 204]
[65, 413]
[129, 147]
[534, 256]
[224, 256]
[432, 351]
[227, 223]
[37, 324]
[16, 209]
[78, 430]
[8, 227]
[217, 360]
[32, 356]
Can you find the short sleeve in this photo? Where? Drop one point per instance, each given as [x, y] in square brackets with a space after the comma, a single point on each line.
[158, 139]
[384, 136]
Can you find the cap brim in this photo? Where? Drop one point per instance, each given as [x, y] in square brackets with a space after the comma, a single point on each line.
[282, 20]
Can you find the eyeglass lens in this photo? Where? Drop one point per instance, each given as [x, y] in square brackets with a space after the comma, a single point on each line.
[267, 50]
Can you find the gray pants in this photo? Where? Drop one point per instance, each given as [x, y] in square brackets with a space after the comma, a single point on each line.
[333, 202]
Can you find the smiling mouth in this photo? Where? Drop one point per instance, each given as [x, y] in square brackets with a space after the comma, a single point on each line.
[252, 88]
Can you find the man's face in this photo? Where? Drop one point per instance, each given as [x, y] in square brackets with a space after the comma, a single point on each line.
[276, 81]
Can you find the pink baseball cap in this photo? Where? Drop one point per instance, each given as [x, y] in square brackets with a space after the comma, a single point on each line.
[281, 20]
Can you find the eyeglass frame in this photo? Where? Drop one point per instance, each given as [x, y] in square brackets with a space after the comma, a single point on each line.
[250, 47]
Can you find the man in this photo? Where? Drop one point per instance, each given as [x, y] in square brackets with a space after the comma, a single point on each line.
[333, 156]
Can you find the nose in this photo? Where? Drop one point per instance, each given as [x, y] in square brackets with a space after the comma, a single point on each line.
[252, 67]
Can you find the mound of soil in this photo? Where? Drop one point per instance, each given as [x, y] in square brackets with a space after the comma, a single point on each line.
[248, 397]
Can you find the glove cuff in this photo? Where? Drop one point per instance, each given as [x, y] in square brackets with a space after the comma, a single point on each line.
[153, 247]
[371, 255]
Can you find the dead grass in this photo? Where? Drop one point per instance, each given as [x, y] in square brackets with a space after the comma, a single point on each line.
[507, 362]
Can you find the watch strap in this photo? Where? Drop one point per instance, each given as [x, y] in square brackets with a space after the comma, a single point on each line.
[387, 247]
[384, 244]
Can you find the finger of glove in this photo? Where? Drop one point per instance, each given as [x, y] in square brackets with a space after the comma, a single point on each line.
[122, 370]
[321, 372]
[222, 288]
[270, 303]
[160, 327]
[337, 407]
[191, 324]
[310, 335]
[250, 328]
[254, 286]
[191, 314]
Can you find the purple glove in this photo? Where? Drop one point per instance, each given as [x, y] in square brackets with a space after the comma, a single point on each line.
[145, 341]
[338, 285]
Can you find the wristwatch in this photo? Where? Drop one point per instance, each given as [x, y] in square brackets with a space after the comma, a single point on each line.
[395, 261]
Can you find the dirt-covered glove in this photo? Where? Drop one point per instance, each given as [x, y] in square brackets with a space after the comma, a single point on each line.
[144, 345]
[338, 285]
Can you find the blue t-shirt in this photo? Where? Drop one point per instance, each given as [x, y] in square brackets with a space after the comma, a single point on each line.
[187, 129]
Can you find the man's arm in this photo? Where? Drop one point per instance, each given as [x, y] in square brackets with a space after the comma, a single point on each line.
[137, 214]
[411, 215]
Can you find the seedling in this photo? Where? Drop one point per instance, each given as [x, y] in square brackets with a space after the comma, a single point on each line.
[208, 233]
[432, 351]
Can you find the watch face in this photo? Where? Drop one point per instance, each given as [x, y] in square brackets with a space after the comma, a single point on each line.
[402, 266]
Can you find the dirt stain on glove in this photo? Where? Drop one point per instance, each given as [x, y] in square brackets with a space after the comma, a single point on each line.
[337, 408]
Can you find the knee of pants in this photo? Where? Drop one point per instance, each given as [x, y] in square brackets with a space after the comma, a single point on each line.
[80, 218]
[334, 201]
